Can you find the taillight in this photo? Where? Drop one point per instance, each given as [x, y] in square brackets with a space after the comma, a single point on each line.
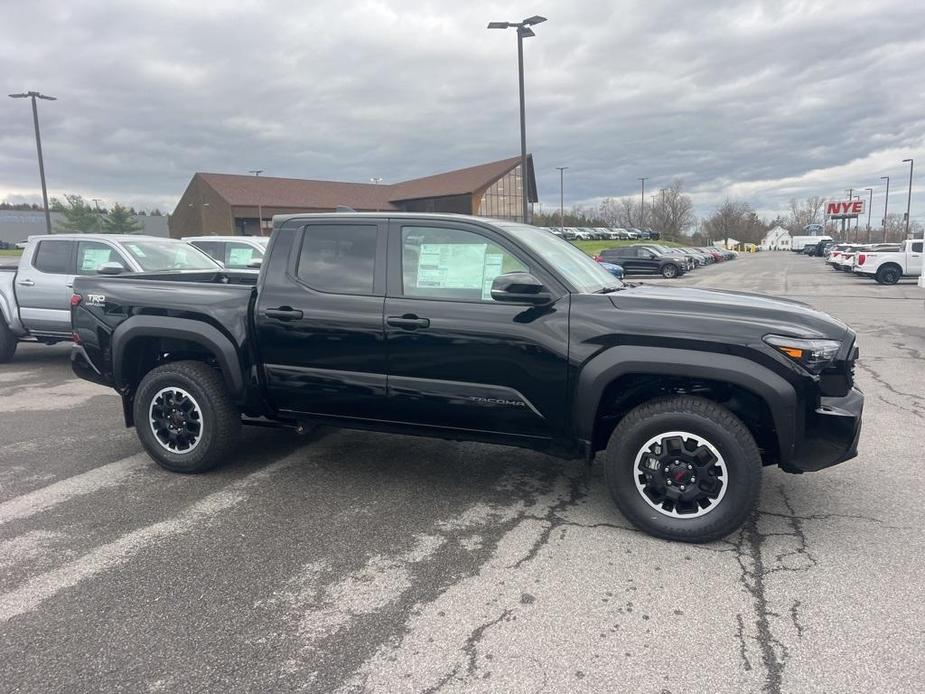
[861, 258]
[75, 299]
[598, 258]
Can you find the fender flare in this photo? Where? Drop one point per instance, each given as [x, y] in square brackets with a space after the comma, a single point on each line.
[196, 331]
[779, 395]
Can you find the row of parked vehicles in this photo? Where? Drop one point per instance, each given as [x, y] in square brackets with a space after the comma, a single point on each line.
[887, 263]
[35, 295]
[604, 233]
[656, 259]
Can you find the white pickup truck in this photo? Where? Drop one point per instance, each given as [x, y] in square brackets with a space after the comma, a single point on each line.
[35, 296]
[889, 267]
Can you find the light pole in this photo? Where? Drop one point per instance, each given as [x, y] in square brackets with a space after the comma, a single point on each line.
[886, 201]
[99, 219]
[257, 173]
[561, 196]
[870, 205]
[523, 32]
[642, 202]
[908, 199]
[38, 146]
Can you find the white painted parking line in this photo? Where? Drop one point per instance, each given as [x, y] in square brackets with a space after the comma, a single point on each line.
[86, 483]
[33, 592]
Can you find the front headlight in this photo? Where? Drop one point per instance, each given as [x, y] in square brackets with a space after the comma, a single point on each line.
[812, 355]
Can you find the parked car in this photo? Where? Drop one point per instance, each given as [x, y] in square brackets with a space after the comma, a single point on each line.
[689, 261]
[613, 269]
[407, 323]
[888, 267]
[641, 260]
[235, 252]
[35, 295]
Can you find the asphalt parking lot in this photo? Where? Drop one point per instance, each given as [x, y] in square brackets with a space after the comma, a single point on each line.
[364, 562]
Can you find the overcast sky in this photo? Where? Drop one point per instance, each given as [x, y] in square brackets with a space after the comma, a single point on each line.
[760, 101]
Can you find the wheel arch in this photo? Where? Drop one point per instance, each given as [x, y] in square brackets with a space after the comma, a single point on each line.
[625, 376]
[130, 339]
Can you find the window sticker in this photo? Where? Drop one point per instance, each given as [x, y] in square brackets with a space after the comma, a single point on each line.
[240, 256]
[93, 258]
[494, 263]
[451, 266]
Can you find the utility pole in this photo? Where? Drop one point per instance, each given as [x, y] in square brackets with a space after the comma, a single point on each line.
[99, 218]
[561, 196]
[257, 173]
[908, 199]
[870, 205]
[38, 146]
[642, 199]
[886, 202]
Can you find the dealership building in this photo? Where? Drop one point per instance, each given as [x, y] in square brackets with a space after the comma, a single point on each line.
[244, 205]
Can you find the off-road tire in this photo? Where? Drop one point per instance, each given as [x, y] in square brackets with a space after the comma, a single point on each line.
[888, 274]
[708, 420]
[8, 342]
[221, 421]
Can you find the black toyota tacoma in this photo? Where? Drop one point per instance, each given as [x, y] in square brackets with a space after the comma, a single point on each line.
[470, 329]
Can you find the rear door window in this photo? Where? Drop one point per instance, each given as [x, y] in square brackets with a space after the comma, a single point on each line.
[339, 258]
[54, 257]
[215, 249]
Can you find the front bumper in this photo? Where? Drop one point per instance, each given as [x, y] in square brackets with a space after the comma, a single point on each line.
[831, 434]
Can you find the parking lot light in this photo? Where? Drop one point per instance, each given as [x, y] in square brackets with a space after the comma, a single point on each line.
[886, 201]
[38, 146]
[870, 205]
[523, 31]
[909, 198]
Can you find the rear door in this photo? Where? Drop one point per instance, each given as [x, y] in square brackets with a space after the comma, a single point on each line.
[457, 358]
[43, 287]
[319, 320]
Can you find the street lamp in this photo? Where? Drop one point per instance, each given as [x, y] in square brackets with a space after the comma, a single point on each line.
[523, 32]
[38, 146]
[908, 199]
[257, 173]
[870, 205]
[886, 201]
[561, 196]
[99, 218]
[642, 199]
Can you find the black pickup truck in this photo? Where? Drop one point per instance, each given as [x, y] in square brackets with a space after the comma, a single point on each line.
[464, 328]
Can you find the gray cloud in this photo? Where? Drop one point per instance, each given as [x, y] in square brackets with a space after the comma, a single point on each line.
[757, 100]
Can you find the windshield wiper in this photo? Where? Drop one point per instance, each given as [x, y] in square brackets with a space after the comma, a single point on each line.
[610, 290]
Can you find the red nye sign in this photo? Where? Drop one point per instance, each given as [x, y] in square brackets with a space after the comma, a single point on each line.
[844, 208]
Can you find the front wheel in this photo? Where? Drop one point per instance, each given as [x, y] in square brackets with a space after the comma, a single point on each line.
[683, 468]
[184, 417]
[669, 271]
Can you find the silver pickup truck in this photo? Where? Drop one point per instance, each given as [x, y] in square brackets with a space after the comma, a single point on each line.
[35, 297]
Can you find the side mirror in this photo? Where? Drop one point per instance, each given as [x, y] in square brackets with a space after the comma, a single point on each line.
[255, 263]
[519, 288]
[110, 268]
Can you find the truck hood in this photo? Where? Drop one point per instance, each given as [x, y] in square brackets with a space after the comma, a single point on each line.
[714, 312]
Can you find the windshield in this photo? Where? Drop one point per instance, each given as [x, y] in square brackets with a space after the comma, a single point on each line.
[157, 255]
[584, 274]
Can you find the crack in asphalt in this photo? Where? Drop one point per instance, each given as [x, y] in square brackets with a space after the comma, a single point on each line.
[916, 400]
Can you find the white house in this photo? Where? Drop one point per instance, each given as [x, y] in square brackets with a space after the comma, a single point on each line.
[777, 239]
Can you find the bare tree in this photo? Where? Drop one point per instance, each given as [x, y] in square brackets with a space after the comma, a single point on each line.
[673, 212]
[803, 212]
[735, 219]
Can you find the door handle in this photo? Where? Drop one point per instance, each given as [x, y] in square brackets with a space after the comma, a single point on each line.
[283, 313]
[408, 322]
[26, 283]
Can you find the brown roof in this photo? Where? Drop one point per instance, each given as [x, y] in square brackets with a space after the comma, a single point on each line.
[268, 191]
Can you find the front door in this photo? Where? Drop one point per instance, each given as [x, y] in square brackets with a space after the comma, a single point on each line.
[458, 359]
[319, 319]
[43, 287]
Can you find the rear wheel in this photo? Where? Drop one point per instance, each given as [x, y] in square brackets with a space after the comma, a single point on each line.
[888, 274]
[184, 417]
[669, 271]
[8, 342]
[683, 468]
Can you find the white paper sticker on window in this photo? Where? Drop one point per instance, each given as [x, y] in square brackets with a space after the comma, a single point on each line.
[451, 265]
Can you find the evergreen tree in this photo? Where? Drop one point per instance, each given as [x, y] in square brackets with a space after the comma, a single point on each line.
[78, 215]
[120, 221]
